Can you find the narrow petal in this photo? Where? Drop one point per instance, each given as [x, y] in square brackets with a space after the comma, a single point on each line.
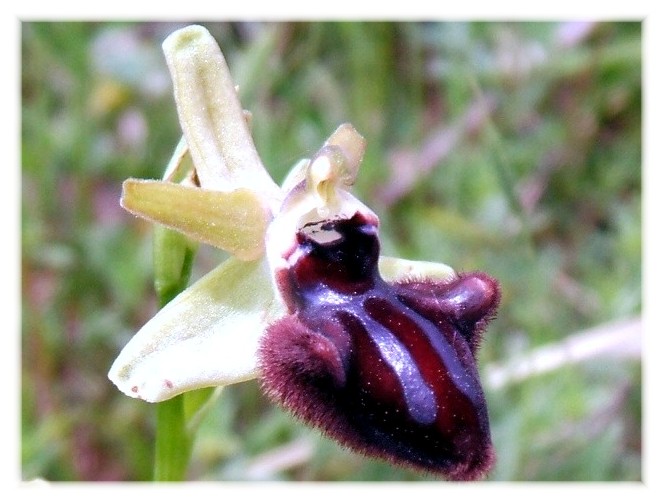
[211, 115]
[180, 167]
[234, 221]
[345, 141]
[397, 269]
[207, 336]
[352, 145]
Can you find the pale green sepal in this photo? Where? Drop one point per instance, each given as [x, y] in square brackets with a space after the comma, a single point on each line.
[211, 116]
[397, 269]
[233, 221]
[206, 337]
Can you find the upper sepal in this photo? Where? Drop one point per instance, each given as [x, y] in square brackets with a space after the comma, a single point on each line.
[211, 116]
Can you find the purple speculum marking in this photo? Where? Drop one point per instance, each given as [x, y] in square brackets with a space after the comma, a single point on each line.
[387, 369]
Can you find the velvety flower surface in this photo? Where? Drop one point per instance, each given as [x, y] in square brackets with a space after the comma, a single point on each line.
[379, 353]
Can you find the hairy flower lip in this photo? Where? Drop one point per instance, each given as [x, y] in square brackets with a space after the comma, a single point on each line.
[386, 368]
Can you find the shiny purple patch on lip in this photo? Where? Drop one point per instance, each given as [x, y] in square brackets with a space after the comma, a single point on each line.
[386, 369]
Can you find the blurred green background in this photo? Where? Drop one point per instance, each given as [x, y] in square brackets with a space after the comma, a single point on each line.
[509, 147]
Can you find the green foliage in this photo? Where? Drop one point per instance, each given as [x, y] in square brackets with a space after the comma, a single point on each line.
[509, 147]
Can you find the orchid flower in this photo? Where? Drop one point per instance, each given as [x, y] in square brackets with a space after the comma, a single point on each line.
[337, 334]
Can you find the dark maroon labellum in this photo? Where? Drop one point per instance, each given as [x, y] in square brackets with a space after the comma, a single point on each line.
[388, 370]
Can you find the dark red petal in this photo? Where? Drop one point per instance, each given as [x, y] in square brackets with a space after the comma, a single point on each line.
[469, 301]
[387, 370]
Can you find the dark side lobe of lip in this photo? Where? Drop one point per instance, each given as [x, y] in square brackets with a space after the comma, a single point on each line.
[388, 370]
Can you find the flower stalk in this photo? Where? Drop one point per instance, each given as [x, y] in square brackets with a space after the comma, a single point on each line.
[173, 444]
[173, 257]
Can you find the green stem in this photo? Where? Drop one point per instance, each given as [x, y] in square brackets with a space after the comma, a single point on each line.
[173, 445]
[173, 258]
